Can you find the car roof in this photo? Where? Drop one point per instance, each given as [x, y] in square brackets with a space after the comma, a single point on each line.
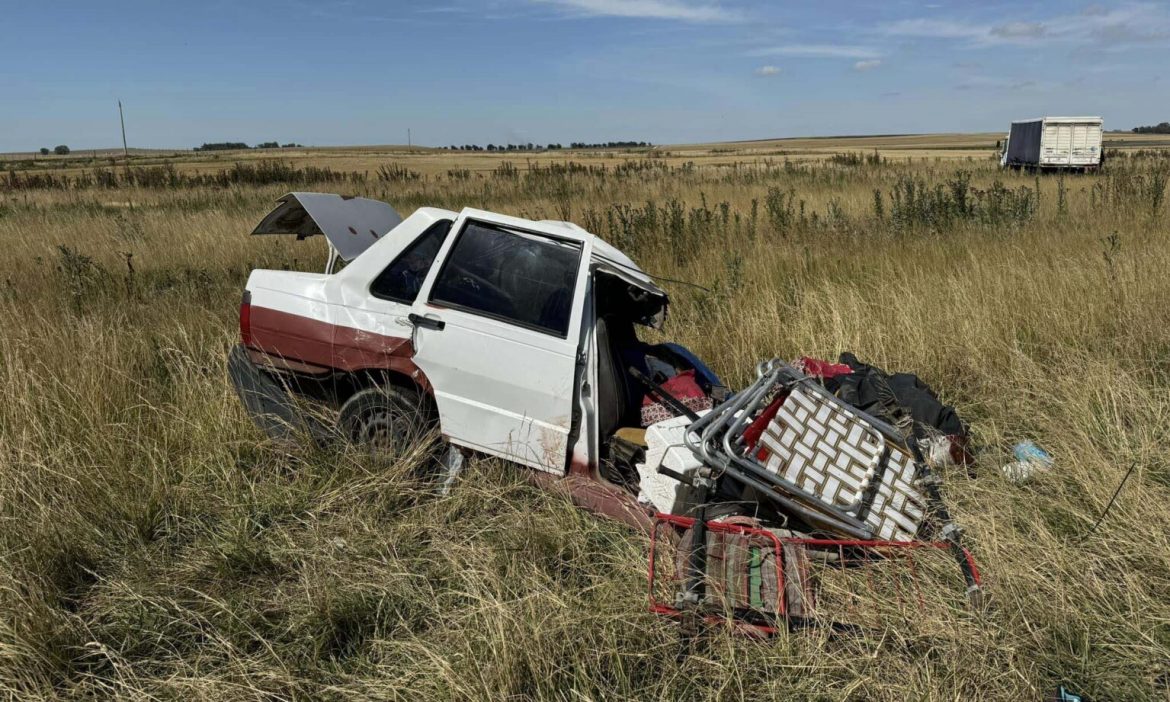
[605, 255]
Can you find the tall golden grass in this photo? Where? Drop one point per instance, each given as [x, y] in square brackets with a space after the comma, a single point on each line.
[152, 545]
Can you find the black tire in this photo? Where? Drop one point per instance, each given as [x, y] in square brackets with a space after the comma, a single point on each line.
[387, 420]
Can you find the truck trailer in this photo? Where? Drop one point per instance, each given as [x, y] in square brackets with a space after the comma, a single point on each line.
[1054, 143]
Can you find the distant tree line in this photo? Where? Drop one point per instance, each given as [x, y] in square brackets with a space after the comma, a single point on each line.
[230, 145]
[549, 147]
[1163, 128]
[60, 150]
[609, 145]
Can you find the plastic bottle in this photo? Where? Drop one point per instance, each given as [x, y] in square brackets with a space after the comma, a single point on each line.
[1030, 459]
[1029, 452]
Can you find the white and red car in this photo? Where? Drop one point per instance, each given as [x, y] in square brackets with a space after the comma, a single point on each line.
[513, 336]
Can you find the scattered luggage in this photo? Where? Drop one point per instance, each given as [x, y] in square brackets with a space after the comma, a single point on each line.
[813, 475]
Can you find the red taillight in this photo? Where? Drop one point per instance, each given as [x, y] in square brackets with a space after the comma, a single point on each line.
[246, 319]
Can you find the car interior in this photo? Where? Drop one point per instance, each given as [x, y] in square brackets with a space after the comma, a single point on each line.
[621, 358]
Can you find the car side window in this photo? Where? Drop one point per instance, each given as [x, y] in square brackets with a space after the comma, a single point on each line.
[518, 277]
[403, 278]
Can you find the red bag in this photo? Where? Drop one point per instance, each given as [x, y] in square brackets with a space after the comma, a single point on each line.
[824, 370]
[680, 387]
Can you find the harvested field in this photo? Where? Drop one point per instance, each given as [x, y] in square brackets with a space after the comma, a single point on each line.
[152, 545]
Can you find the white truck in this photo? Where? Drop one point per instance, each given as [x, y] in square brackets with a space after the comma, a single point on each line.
[1054, 143]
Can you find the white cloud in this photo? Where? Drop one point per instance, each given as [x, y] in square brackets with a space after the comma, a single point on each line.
[1123, 34]
[442, 10]
[994, 83]
[867, 65]
[820, 51]
[767, 71]
[1120, 27]
[684, 10]
[933, 29]
[1018, 30]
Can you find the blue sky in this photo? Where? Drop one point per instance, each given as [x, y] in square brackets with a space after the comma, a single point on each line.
[334, 72]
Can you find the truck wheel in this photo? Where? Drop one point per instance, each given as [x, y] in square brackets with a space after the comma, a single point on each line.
[387, 420]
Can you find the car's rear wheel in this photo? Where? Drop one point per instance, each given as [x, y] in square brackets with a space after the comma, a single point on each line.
[387, 420]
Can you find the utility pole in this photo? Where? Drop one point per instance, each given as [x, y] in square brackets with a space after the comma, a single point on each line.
[408, 143]
[125, 151]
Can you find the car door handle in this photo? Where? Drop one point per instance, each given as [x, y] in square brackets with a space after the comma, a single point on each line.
[426, 322]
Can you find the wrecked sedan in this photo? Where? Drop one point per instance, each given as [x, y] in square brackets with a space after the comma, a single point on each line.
[518, 339]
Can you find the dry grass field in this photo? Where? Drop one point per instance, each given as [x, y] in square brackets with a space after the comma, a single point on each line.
[153, 546]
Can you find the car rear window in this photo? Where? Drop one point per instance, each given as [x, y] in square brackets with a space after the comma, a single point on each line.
[518, 277]
[403, 278]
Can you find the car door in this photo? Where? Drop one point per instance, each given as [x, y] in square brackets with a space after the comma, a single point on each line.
[374, 297]
[496, 332]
